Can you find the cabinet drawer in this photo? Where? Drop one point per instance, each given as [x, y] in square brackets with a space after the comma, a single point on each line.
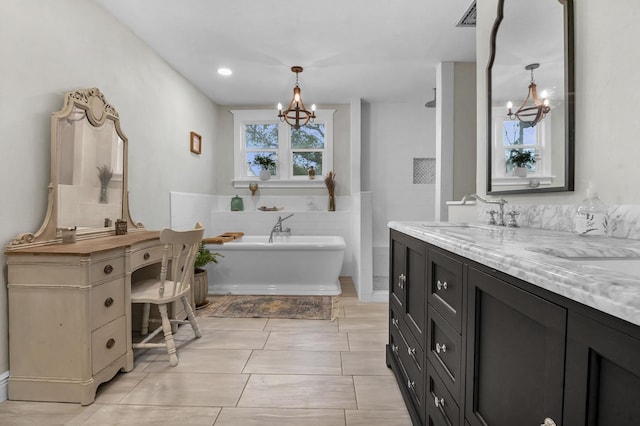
[108, 343]
[107, 302]
[414, 352]
[107, 269]
[442, 408]
[445, 350]
[445, 286]
[146, 255]
[412, 374]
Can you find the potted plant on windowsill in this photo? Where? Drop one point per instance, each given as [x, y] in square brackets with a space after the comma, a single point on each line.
[266, 162]
[521, 160]
[201, 277]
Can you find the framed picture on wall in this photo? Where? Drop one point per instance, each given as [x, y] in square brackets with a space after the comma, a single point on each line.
[196, 143]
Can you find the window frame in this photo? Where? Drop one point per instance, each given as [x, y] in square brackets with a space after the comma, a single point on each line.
[284, 163]
[542, 174]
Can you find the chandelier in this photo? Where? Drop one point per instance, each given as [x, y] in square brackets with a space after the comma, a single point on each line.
[296, 115]
[534, 111]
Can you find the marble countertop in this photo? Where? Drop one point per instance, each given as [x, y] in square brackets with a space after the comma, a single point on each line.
[565, 263]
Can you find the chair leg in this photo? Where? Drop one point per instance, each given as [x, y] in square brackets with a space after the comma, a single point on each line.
[191, 316]
[168, 335]
[144, 329]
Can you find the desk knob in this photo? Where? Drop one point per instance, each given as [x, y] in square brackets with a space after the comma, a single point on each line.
[108, 269]
[108, 301]
[110, 343]
[146, 256]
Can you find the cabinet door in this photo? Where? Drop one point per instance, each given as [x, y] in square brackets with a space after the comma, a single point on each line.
[515, 355]
[408, 282]
[603, 377]
[397, 274]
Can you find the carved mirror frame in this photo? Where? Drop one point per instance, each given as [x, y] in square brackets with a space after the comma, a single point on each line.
[569, 116]
[98, 111]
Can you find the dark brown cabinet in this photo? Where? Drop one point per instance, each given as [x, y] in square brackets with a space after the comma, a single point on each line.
[473, 346]
[515, 355]
[407, 298]
[603, 375]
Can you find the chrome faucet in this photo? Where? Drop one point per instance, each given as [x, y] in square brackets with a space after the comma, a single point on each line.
[500, 201]
[277, 228]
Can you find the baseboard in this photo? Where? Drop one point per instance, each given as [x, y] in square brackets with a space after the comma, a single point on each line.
[4, 386]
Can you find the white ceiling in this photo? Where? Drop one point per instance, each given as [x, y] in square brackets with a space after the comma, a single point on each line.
[377, 50]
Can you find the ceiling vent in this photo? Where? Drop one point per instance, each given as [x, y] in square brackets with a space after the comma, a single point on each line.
[469, 17]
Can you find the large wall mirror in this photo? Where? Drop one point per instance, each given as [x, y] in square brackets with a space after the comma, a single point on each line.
[530, 93]
[88, 187]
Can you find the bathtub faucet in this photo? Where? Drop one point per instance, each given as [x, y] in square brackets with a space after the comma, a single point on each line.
[277, 228]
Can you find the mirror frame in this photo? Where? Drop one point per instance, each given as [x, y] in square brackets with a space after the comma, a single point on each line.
[98, 111]
[569, 77]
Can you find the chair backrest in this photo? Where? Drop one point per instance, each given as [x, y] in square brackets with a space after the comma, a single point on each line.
[184, 247]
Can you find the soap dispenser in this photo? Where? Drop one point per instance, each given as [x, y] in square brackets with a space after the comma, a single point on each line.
[591, 217]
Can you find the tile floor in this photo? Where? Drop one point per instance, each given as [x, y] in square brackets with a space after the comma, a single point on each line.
[250, 371]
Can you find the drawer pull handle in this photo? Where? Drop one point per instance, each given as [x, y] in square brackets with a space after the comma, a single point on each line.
[110, 343]
[108, 269]
[441, 347]
[548, 422]
[439, 402]
[441, 285]
[146, 256]
[394, 321]
[411, 351]
[411, 384]
[394, 348]
[402, 279]
[108, 301]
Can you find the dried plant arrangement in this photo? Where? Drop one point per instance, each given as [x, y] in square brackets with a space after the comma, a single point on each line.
[330, 182]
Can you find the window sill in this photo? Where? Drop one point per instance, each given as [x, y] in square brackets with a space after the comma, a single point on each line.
[277, 183]
[529, 181]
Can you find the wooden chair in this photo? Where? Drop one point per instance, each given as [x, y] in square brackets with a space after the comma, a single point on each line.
[182, 248]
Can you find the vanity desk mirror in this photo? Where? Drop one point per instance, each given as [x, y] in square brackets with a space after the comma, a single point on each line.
[69, 283]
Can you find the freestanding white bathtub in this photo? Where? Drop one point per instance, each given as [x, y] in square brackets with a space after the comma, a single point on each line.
[292, 265]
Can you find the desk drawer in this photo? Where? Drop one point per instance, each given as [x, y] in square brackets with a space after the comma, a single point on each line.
[143, 256]
[107, 269]
[108, 343]
[445, 286]
[107, 302]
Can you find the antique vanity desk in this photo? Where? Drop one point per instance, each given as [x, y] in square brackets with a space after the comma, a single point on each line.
[69, 283]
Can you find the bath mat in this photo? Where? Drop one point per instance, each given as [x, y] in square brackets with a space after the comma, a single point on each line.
[293, 307]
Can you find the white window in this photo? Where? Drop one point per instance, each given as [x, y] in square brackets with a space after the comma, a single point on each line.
[260, 132]
[511, 136]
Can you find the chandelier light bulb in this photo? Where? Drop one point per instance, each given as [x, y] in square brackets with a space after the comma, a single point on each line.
[313, 107]
[279, 106]
[297, 97]
[509, 104]
[544, 94]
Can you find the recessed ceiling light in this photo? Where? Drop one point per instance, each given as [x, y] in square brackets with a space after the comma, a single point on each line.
[225, 71]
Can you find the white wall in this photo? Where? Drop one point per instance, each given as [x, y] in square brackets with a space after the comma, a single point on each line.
[49, 48]
[393, 135]
[606, 96]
